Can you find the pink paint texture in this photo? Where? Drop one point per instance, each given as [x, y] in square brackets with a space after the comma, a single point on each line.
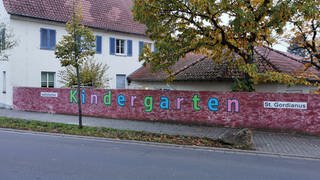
[251, 112]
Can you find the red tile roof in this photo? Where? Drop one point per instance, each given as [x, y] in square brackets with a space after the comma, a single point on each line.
[146, 74]
[110, 15]
[195, 67]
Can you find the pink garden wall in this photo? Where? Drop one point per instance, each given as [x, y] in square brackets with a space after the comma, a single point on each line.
[290, 112]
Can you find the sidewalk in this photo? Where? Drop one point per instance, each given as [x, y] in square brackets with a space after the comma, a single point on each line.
[281, 144]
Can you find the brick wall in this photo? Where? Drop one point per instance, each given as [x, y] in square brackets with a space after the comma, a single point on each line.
[206, 108]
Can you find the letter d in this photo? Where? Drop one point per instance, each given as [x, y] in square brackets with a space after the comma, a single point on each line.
[107, 98]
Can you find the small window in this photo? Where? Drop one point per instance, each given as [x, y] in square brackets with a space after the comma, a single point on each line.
[4, 82]
[47, 79]
[47, 39]
[121, 81]
[120, 46]
[98, 44]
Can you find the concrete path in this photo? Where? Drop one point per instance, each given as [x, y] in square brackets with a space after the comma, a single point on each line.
[281, 144]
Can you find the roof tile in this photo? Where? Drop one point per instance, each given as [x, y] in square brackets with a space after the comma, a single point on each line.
[196, 67]
[110, 15]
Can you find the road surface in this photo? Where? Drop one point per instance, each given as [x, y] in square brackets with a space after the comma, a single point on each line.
[36, 156]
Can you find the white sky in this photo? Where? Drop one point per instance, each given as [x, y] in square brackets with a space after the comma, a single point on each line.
[282, 46]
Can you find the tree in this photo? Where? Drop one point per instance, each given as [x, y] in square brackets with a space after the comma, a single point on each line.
[91, 74]
[296, 49]
[223, 30]
[6, 42]
[75, 48]
[304, 33]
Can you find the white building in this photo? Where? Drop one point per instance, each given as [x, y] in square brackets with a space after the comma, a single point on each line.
[37, 25]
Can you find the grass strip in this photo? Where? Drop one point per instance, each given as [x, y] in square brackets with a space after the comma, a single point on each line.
[61, 128]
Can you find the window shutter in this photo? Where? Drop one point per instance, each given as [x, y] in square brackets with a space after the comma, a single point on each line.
[141, 44]
[43, 38]
[52, 42]
[112, 46]
[129, 48]
[98, 44]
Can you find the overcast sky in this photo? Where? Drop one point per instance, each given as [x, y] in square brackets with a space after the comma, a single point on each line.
[281, 46]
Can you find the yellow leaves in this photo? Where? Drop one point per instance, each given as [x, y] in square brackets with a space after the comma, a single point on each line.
[249, 23]
[78, 45]
[317, 91]
[256, 3]
[276, 77]
[307, 66]
[250, 69]
[199, 3]
[282, 78]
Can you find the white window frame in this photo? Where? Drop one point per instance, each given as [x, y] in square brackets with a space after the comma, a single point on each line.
[148, 45]
[47, 80]
[124, 53]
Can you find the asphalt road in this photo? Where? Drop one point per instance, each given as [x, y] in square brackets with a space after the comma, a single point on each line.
[28, 156]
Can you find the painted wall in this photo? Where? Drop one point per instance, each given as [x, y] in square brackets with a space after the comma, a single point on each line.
[27, 60]
[4, 16]
[4, 65]
[191, 107]
[221, 86]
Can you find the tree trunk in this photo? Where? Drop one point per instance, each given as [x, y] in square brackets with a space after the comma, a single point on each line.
[247, 79]
[79, 98]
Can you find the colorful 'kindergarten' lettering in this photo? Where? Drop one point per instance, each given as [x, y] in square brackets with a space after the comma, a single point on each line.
[148, 103]
[213, 103]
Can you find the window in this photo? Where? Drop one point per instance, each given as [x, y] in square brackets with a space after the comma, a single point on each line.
[47, 39]
[47, 79]
[142, 44]
[148, 45]
[121, 81]
[120, 47]
[4, 83]
[98, 44]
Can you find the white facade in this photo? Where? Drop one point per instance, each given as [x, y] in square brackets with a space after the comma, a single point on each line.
[27, 60]
[220, 86]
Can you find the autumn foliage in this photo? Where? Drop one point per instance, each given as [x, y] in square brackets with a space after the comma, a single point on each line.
[225, 30]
